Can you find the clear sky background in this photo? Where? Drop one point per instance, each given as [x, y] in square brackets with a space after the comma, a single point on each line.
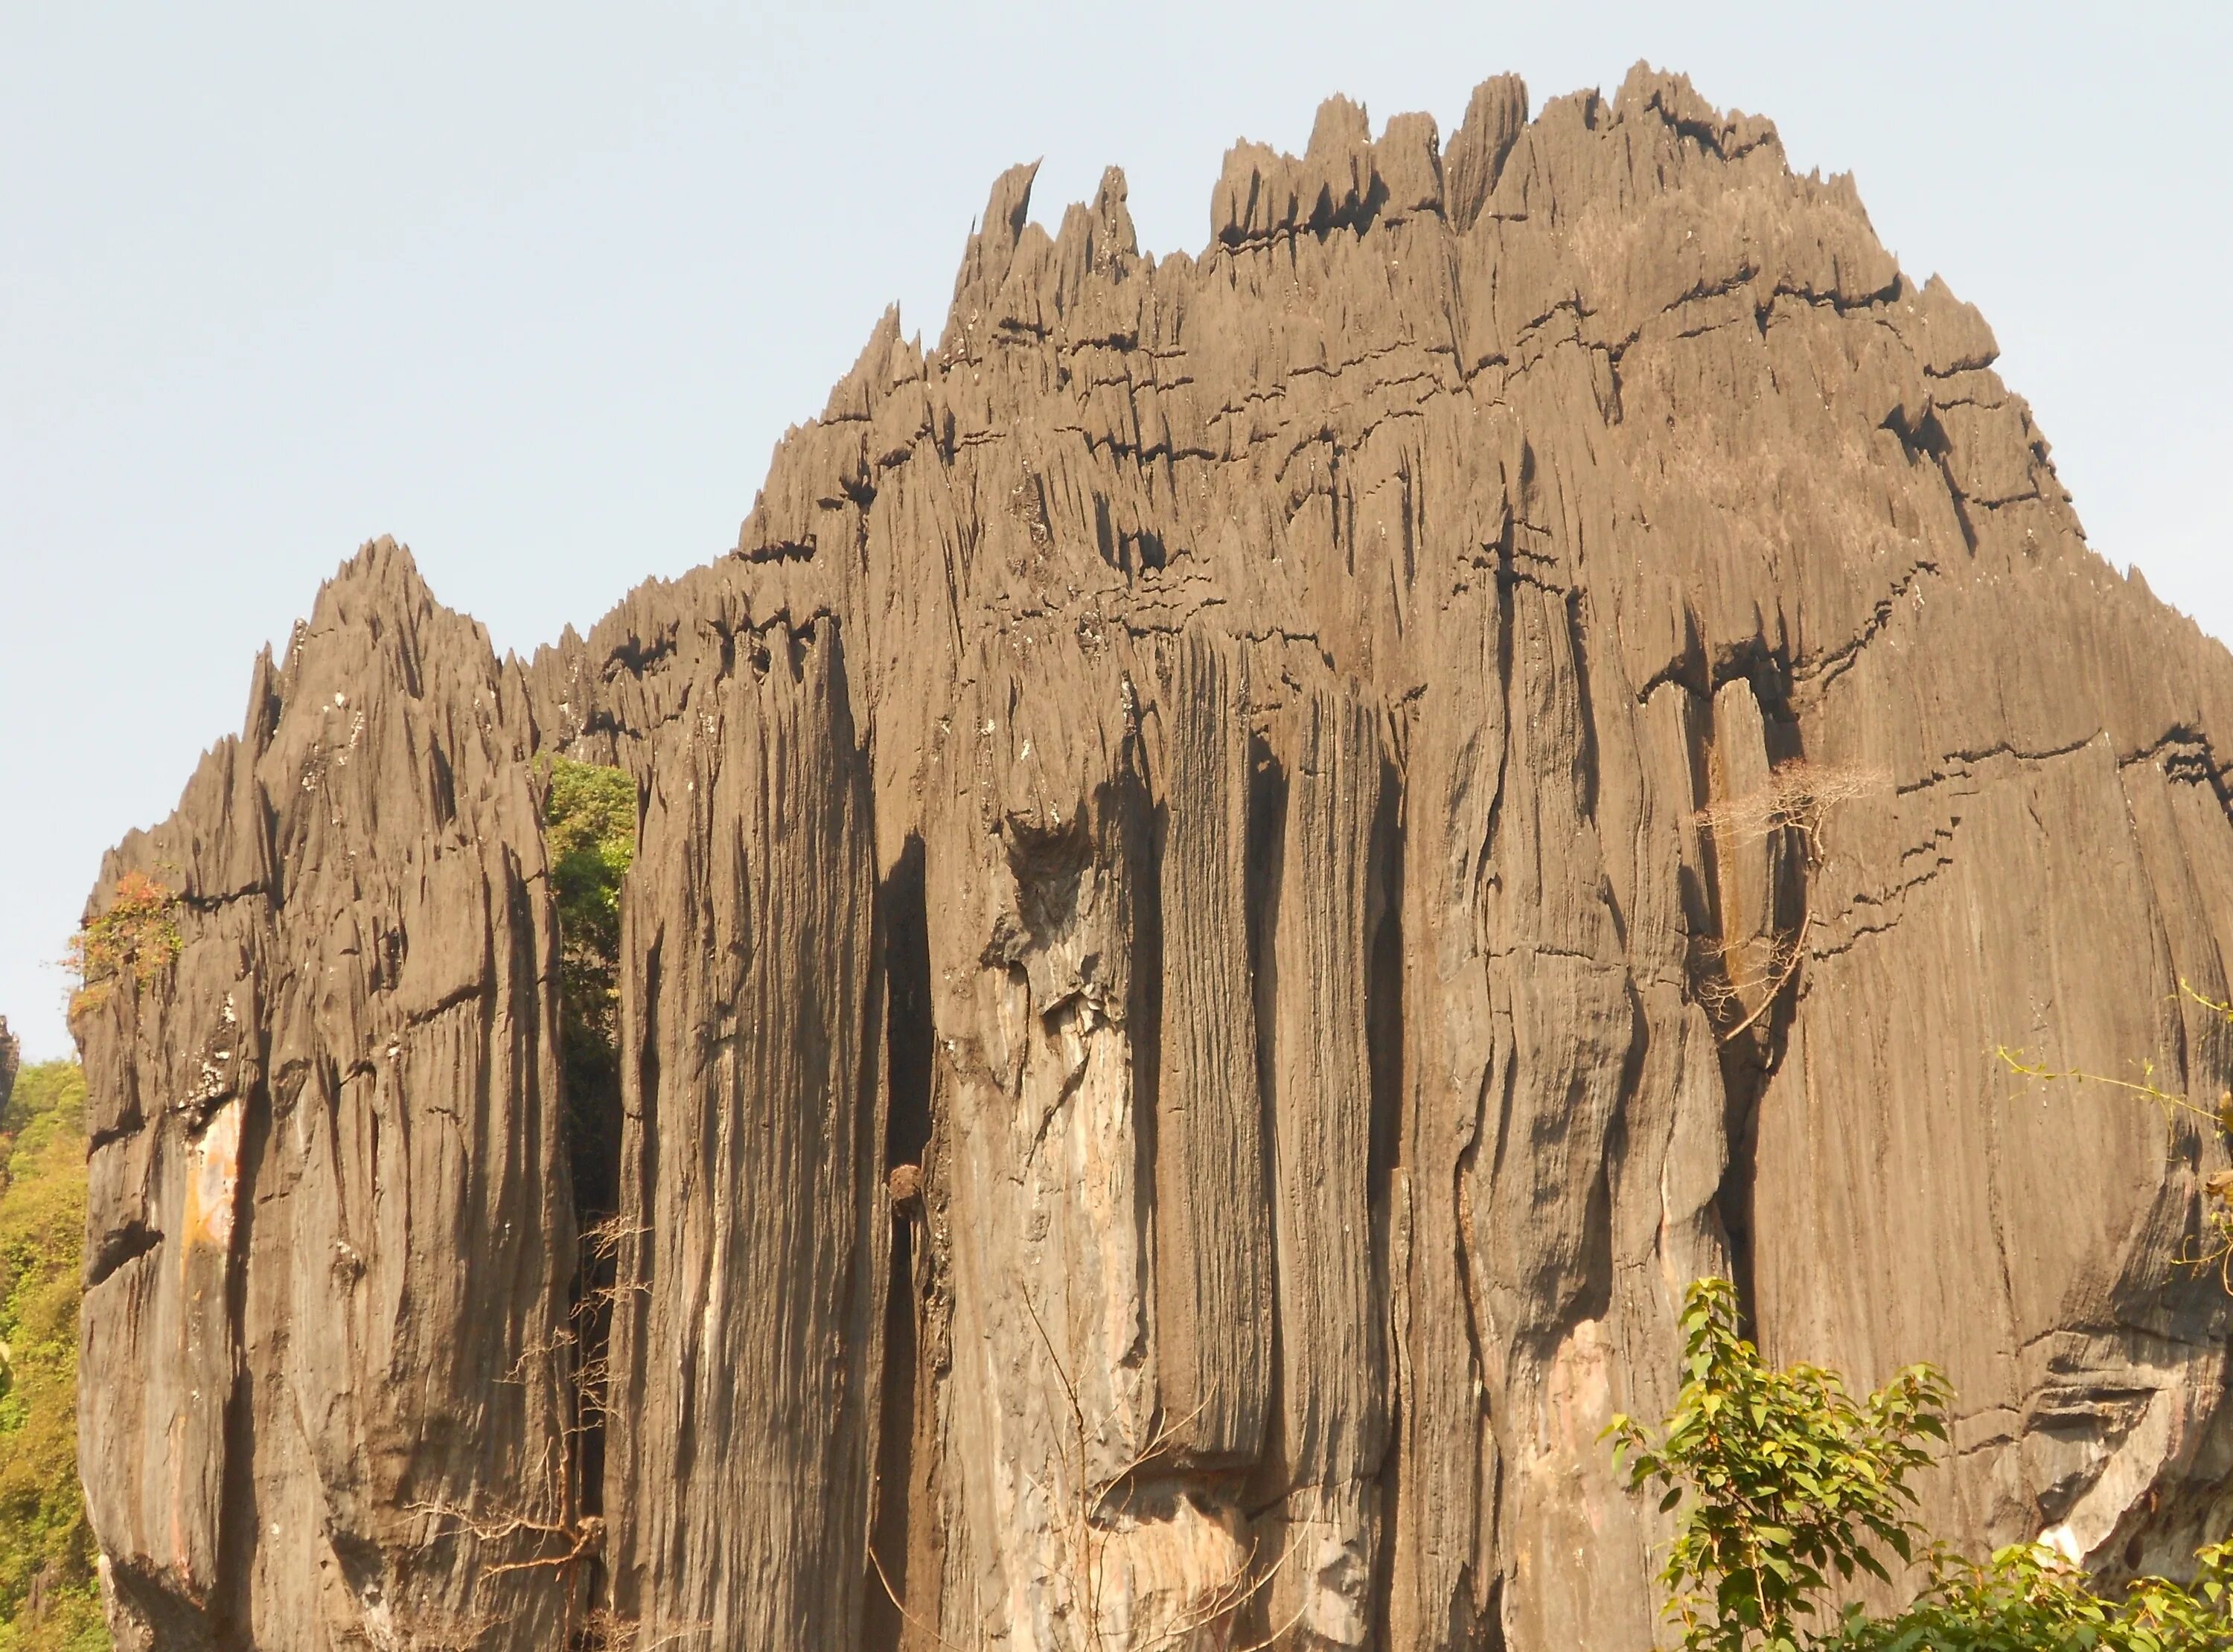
[536, 288]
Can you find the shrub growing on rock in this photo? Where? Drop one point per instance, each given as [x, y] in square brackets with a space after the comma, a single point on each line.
[1782, 1479]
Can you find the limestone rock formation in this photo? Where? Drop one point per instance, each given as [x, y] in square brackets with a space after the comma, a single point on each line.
[1252, 861]
[11, 1056]
[324, 1402]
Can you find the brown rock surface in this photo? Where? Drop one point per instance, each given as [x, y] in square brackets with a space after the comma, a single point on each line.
[1252, 861]
[754, 1255]
[325, 1399]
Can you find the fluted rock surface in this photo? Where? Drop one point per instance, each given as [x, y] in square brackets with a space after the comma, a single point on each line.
[752, 1264]
[1252, 861]
[324, 1402]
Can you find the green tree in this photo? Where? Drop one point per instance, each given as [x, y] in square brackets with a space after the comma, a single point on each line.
[49, 1599]
[588, 816]
[1783, 1479]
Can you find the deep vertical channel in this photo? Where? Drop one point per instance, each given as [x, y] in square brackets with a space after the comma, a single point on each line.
[909, 1041]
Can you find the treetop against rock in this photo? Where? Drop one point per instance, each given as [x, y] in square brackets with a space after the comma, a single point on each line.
[1254, 861]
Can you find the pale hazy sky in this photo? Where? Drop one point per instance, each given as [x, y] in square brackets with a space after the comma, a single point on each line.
[537, 289]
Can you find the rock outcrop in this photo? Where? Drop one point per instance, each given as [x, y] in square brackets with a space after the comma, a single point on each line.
[1252, 861]
[325, 1401]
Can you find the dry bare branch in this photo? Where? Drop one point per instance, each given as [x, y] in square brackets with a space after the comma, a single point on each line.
[1796, 797]
[1735, 990]
[2212, 1248]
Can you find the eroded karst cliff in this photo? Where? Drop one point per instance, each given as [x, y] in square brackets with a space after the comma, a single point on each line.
[1253, 859]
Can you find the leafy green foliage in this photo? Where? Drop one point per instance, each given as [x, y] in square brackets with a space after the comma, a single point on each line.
[2027, 1598]
[1783, 1479]
[589, 818]
[138, 935]
[1788, 1478]
[49, 1599]
[589, 821]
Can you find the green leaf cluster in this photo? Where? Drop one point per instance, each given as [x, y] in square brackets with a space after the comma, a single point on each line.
[1787, 1487]
[1787, 1479]
[2027, 1598]
[588, 816]
[50, 1601]
[589, 819]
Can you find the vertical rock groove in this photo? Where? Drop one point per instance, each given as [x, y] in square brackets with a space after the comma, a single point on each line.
[1214, 1279]
[754, 1289]
[890, 1583]
[1328, 1246]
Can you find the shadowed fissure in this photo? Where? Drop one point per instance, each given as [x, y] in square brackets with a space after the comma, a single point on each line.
[590, 818]
[907, 1035]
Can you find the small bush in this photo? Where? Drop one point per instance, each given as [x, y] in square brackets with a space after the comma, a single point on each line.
[589, 818]
[138, 936]
[1782, 1479]
[590, 836]
[1786, 1477]
[2027, 1598]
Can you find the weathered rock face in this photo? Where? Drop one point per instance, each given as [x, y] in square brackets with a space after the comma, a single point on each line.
[325, 1402]
[1253, 862]
[11, 1056]
[754, 1262]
